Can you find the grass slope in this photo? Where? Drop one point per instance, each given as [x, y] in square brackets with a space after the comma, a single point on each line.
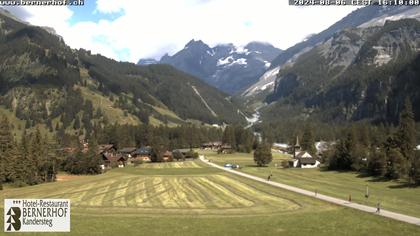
[393, 195]
[132, 201]
[107, 107]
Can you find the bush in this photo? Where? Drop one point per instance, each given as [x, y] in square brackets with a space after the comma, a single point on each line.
[137, 162]
[285, 164]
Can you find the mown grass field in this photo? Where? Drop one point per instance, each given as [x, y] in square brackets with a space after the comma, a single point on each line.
[393, 195]
[193, 199]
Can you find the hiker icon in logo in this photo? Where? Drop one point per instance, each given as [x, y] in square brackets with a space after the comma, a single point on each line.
[13, 220]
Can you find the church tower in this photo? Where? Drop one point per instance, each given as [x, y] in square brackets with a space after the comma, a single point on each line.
[296, 148]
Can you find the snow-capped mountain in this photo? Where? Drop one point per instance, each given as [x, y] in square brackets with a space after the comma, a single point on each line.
[227, 67]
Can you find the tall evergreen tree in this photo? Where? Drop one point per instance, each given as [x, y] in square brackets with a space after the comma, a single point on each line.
[37, 152]
[16, 164]
[415, 174]
[398, 165]
[6, 143]
[94, 160]
[76, 124]
[6, 137]
[229, 136]
[377, 165]
[26, 157]
[406, 135]
[308, 140]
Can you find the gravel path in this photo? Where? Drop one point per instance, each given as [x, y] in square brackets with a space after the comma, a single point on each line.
[341, 202]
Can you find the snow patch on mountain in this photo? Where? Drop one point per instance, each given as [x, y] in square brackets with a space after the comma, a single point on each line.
[266, 81]
[382, 57]
[211, 53]
[229, 61]
[225, 61]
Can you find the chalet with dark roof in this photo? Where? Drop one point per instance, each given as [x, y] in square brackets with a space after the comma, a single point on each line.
[211, 145]
[110, 160]
[143, 154]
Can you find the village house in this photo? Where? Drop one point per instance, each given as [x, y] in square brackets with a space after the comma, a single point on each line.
[211, 145]
[226, 149]
[110, 157]
[128, 154]
[107, 148]
[113, 160]
[143, 154]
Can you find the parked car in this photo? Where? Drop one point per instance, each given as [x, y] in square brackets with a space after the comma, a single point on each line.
[228, 166]
[231, 166]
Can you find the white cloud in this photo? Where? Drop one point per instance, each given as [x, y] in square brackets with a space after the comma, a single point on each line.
[150, 28]
[110, 6]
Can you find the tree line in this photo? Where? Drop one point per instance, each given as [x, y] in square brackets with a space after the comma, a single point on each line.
[29, 161]
[394, 158]
[241, 140]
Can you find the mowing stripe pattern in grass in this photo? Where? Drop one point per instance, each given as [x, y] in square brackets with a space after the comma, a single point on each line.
[145, 193]
[165, 165]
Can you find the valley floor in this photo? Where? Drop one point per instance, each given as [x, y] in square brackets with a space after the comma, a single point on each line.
[191, 198]
[393, 195]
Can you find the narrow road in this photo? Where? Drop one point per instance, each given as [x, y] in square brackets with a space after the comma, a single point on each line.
[337, 201]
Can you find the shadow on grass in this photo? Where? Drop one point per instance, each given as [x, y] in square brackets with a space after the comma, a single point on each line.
[403, 185]
[254, 165]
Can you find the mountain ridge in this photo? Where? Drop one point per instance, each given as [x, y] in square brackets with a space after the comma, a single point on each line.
[363, 17]
[225, 66]
[45, 82]
[359, 73]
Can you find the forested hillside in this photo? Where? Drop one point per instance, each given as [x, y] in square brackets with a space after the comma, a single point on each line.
[45, 82]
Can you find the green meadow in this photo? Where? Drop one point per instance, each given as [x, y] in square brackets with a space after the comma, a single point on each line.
[190, 198]
[393, 195]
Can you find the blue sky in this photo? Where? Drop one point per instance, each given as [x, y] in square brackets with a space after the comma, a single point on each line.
[128, 30]
[89, 13]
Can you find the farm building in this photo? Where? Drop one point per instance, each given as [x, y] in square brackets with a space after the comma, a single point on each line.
[128, 152]
[143, 154]
[211, 145]
[226, 149]
[110, 160]
[107, 148]
[304, 160]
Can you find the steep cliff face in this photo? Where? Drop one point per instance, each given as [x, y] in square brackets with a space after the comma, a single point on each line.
[366, 17]
[356, 74]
